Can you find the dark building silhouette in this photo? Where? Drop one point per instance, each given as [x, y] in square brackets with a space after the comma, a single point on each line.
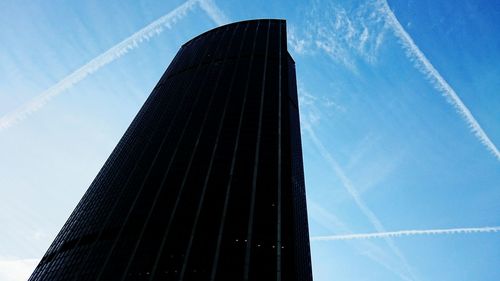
[207, 183]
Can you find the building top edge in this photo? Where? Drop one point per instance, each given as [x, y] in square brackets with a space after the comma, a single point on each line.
[231, 24]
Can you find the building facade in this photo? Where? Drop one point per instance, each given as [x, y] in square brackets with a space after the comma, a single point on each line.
[207, 182]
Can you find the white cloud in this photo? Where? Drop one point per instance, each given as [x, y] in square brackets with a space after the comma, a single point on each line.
[214, 12]
[400, 233]
[331, 104]
[312, 107]
[16, 269]
[310, 119]
[298, 45]
[425, 66]
[115, 52]
[366, 247]
[354, 193]
[343, 36]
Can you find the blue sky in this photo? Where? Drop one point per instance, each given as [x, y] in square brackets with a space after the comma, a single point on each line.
[400, 111]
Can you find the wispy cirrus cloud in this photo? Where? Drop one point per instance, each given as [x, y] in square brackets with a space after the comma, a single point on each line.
[346, 35]
[343, 35]
[423, 64]
[402, 233]
[298, 44]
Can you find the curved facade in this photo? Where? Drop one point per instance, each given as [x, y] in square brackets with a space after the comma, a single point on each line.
[207, 182]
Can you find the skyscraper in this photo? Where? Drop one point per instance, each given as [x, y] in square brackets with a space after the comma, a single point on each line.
[207, 183]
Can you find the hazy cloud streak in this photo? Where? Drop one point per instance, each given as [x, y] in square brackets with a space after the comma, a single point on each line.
[355, 195]
[95, 64]
[16, 269]
[401, 233]
[425, 66]
[366, 247]
[214, 12]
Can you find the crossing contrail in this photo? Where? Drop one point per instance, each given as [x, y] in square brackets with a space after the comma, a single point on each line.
[425, 66]
[115, 52]
[400, 233]
[213, 12]
[366, 247]
[346, 182]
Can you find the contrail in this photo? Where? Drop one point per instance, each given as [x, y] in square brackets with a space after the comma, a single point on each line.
[424, 65]
[95, 64]
[487, 229]
[356, 196]
[366, 247]
[213, 12]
